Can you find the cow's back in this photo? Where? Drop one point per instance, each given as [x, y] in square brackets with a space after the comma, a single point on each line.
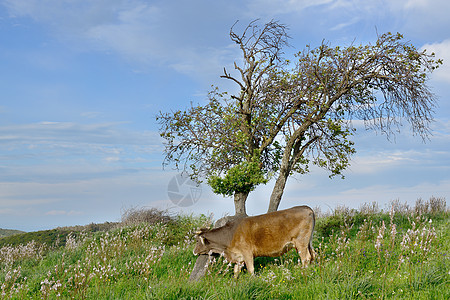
[272, 234]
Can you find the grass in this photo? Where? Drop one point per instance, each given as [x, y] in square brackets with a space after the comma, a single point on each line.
[401, 253]
[8, 232]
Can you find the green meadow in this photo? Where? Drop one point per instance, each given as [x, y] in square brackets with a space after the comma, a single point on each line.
[399, 252]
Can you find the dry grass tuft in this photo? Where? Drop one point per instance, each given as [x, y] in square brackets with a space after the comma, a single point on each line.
[93, 227]
[369, 208]
[135, 216]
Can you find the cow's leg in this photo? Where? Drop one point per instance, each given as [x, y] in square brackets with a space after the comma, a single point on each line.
[246, 258]
[249, 262]
[302, 246]
[237, 269]
[311, 251]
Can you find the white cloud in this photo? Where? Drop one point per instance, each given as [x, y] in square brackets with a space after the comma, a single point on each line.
[425, 18]
[7, 211]
[67, 133]
[442, 51]
[348, 23]
[417, 19]
[74, 16]
[149, 34]
[97, 197]
[276, 7]
[381, 161]
[28, 194]
[132, 34]
[91, 114]
[417, 3]
[356, 196]
[63, 213]
[143, 33]
[55, 165]
[386, 193]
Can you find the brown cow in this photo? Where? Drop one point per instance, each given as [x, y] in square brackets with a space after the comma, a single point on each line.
[271, 234]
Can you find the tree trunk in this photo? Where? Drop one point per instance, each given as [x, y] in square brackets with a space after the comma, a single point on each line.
[200, 267]
[277, 191]
[239, 203]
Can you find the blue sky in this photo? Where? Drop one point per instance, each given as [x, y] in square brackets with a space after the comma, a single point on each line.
[82, 82]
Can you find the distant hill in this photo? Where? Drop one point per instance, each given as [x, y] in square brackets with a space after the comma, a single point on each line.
[58, 236]
[52, 237]
[49, 237]
[9, 232]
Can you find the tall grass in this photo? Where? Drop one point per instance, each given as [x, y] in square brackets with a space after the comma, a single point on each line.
[400, 253]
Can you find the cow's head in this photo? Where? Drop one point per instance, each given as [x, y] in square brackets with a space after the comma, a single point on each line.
[203, 245]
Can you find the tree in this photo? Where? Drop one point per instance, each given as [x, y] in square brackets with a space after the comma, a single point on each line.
[223, 137]
[384, 85]
[286, 118]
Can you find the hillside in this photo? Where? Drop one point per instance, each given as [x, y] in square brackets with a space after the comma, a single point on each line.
[57, 237]
[402, 253]
[52, 237]
[9, 232]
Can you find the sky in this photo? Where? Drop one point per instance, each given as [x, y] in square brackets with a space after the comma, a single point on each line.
[82, 81]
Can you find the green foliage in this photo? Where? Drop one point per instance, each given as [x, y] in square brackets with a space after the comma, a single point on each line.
[360, 255]
[242, 178]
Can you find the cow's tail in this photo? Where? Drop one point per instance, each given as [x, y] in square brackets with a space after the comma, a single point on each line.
[310, 246]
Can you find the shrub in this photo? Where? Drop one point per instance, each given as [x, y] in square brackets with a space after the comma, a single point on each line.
[135, 216]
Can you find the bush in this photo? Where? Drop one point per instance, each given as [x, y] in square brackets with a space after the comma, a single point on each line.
[135, 216]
